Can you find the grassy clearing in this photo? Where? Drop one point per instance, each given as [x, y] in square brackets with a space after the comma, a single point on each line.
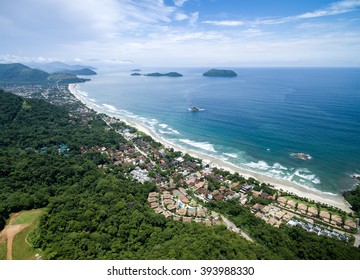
[3, 248]
[21, 249]
[27, 217]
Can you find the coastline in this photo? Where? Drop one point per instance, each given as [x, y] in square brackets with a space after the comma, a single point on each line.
[286, 186]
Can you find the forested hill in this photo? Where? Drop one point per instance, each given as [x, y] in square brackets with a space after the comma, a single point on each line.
[16, 73]
[93, 211]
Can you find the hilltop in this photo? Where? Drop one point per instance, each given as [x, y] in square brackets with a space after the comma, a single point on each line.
[59, 67]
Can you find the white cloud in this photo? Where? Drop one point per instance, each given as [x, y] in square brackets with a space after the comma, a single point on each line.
[225, 22]
[341, 7]
[181, 16]
[179, 3]
[9, 58]
[194, 18]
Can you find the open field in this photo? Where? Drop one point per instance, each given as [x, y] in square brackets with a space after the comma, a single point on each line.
[13, 243]
[26, 217]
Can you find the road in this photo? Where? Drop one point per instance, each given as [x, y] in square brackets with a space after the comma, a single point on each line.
[235, 229]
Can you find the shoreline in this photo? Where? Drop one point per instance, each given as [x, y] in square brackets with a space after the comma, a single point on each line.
[286, 186]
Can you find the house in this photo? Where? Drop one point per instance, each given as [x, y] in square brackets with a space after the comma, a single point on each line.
[302, 208]
[336, 220]
[282, 200]
[292, 223]
[279, 214]
[265, 210]
[255, 193]
[218, 197]
[153, 194]
[291, 204]
[186, 219]
[308, 226]
[317, 230]
[168, 201]
[234, 186]
[199, 185]
[245, 189]
[215, 215]
[166, 214]
[350, 223]
[167, 196]
[287, 217]
[325, 216]
[176, 218]
[191, 212]
[152, 199]
[154, 205]
[197, 220]
[312, 211]
[258, 215]
[208, 222]
[257, 207]
[200, 213]
[158, 210]
[171, 207]
[182, 211]
[277, 224]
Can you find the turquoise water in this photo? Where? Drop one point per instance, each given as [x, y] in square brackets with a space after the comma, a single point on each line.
[255, 120]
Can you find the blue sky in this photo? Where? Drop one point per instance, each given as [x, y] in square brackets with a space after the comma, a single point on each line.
[182, 33]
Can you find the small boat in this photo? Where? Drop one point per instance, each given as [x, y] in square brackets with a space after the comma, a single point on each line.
[301, 156]
[195, 109]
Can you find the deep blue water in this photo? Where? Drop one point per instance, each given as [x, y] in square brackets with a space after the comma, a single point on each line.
[255, 120]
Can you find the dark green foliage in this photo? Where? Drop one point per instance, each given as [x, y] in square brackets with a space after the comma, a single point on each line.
[17, 73]
[84, 72]
[353, 197]
[170, 74]
[110, 219]
[287, 242]
[41, 124]
[2, 222]
[220, 73]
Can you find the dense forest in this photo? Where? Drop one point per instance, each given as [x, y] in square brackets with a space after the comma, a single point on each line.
[97, 213]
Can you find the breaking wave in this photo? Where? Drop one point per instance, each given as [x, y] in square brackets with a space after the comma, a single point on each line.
[201, 145]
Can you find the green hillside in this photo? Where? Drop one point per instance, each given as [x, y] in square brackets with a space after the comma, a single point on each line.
[17, 73]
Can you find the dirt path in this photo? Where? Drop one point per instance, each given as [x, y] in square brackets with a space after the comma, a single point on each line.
[235, 229]
[9, 233]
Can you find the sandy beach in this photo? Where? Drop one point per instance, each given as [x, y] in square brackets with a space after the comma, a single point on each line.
[322, 197]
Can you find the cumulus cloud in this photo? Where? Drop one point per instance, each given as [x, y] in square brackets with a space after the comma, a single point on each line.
[179, 3]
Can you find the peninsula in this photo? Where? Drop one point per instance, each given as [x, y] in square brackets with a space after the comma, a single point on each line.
[220, 73]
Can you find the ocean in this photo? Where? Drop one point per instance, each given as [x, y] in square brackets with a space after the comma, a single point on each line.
[254, 121]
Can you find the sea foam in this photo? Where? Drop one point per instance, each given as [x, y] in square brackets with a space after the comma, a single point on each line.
[201, 145]
[232, 155]
[110, 107]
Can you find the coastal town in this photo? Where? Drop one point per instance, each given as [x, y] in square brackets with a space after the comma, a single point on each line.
[186, 186]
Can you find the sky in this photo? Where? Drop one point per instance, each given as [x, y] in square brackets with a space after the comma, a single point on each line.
[182, 33]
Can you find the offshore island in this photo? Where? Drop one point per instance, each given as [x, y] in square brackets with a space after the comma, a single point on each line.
[114, 190]
[220, 73]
